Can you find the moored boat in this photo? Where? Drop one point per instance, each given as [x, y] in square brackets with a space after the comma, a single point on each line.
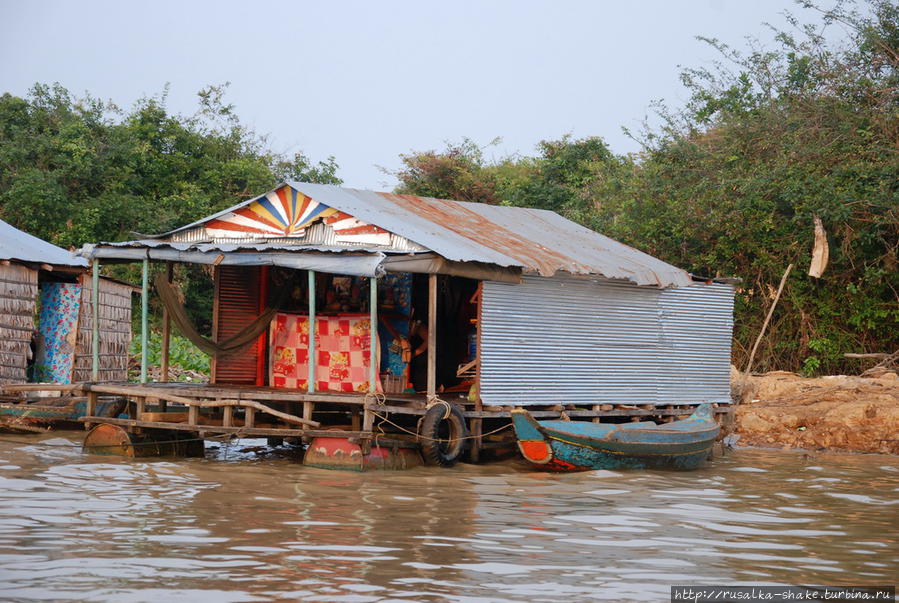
[579, 445]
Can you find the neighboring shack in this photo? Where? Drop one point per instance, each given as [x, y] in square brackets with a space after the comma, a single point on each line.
[56, 345]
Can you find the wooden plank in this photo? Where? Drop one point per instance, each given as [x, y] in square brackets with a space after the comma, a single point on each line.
[140, 391]
[49, 387]
[160, 417]
[246, 431]
[192, 414]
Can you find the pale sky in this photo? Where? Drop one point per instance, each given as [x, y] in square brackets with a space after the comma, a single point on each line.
[366, 81]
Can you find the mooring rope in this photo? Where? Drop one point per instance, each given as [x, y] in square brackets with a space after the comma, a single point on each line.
[422, 437]
[434, 401]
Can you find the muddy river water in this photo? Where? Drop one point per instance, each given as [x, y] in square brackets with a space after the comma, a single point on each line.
[246, 525]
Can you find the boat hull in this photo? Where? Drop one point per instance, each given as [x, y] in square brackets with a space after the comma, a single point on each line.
[575, 446]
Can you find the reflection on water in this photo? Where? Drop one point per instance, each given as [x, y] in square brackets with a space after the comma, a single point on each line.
[239, 526]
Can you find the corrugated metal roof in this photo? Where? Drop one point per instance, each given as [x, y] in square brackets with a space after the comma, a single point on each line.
[18, 245]
[533, 240]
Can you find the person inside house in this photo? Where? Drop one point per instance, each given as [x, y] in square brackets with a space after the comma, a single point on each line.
[418, 345]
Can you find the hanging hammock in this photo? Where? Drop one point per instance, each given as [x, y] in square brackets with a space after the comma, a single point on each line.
[171, 299]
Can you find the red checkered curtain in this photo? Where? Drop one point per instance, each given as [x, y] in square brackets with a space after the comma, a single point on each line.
[342, 349]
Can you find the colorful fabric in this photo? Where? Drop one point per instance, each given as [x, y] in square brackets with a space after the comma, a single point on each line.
[395, 306]
[58, 327]
[342, 349]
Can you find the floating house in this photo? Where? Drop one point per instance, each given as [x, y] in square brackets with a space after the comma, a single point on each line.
[46, 314]
[359, 311]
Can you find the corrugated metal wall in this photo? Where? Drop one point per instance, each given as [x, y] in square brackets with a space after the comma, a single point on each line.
[237, 302]
[18, 291]
[578, 341]
[115, 331]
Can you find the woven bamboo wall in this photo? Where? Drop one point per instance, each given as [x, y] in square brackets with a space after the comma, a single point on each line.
[18, 290]
[115, 331]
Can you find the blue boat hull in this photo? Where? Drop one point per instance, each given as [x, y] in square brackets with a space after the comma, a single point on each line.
[578, 446]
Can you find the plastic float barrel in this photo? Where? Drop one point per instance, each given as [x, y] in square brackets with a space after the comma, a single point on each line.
[341, 453]
[106, 438]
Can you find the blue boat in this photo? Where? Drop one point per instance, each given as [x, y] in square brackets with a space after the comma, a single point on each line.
[580, 445]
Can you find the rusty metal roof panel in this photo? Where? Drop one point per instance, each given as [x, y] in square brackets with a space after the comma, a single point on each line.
[534, 240]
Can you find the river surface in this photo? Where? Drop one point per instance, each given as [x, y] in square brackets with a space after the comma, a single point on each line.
[247, 525]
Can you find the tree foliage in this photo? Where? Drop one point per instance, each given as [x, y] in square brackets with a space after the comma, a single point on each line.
[731, 183]
[79, 170]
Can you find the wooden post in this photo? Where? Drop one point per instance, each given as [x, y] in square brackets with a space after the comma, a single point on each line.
[140, 406]
[144, 317]
[249, 417]
[95, 321]
[373, 334]
[478, 424]
[368, 418]
[432, 335]
[308, 407]
[742, 387]
[477, 427]
[166, 336]
[262, 341]
[91, 407]
[227, 416]
[216, 292]
[310, 384]
[192, 412]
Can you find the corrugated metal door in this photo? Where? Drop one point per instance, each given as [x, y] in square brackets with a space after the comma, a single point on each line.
[238, 305]
[579, 341]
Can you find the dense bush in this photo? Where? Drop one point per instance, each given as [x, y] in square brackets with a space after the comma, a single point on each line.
[730, 186]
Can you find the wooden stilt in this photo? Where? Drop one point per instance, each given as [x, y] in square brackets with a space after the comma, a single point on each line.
[91, 407]
[95, 321]
[249, 417]
[227, 416]
[476, 429]
[166, 337]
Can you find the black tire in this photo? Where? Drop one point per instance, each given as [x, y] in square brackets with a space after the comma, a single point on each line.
[442, 442]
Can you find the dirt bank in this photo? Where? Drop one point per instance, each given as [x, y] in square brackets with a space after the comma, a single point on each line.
[833, 413]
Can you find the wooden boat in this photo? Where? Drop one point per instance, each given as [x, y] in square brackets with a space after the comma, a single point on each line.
[579, 445]
[55, 413]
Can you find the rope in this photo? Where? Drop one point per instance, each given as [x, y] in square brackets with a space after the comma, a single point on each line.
[421, 437]
[376, 397]
[434, 401]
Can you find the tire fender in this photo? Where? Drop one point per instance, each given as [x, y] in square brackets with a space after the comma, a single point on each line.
[442, 434]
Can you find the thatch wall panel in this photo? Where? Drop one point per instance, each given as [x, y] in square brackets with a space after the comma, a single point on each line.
[115, 331]
[18, 290]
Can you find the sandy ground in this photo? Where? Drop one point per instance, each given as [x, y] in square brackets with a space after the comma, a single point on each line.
[785, 410]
